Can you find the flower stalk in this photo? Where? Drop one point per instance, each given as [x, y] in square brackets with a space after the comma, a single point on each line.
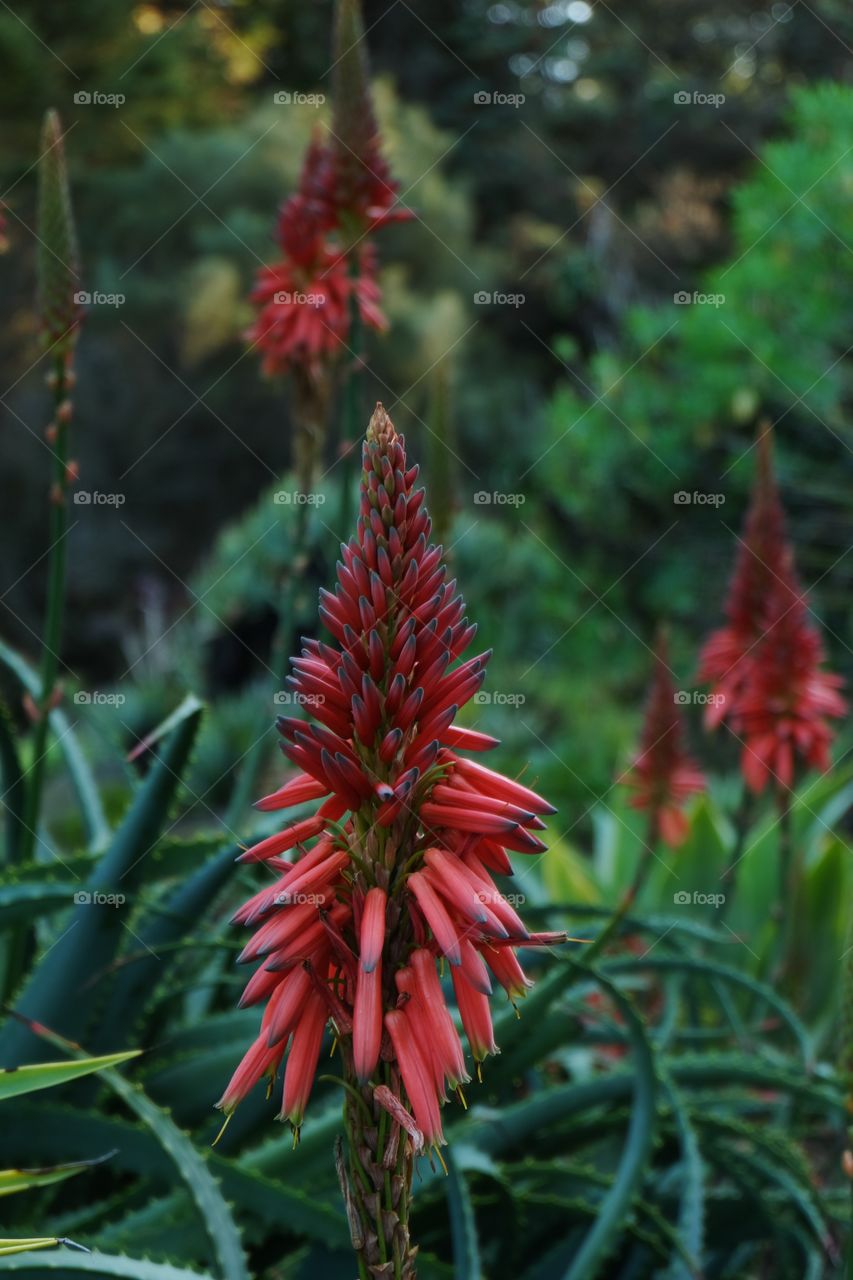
[58, 283]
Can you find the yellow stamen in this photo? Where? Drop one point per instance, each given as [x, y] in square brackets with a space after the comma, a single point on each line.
[225, 1124]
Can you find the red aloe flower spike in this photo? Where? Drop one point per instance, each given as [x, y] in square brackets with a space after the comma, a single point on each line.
[662, 774]
[765, 665]
[394, 868]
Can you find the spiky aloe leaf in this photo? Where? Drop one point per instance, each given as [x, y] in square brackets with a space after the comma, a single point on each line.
[691, 1212]
[179, 914]
[46, 1075]
[13, 1180]
[13, 786]
[77, 961]
[51, 1128]
[103, 1265]
[463, 1224]
[687, 964]
[194, 1171]
[97, 827]
[616, 1205]
[58, 264]
[28, 901]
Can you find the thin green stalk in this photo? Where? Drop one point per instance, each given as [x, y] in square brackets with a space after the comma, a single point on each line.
[352, 416]
[742, 822]
[790, 878]
[55, 603]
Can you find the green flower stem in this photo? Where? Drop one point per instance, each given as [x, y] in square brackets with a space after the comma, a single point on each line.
[380, 1190]
[55, 601]
[742, 822]
[353, 427]
[790, 883]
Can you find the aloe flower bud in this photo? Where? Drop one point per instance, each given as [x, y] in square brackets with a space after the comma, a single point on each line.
[392, 877]
[765, 664]
[58, 266]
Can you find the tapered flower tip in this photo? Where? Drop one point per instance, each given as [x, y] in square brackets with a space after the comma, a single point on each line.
[351, 87]
[380, 428]
[58, 266]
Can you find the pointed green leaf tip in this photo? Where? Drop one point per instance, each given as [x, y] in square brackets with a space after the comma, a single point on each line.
[58, 264]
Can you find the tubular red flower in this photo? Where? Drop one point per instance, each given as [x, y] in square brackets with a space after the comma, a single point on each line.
[662, 774]
[765, 665]
[367, 1011]
[394, 870]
